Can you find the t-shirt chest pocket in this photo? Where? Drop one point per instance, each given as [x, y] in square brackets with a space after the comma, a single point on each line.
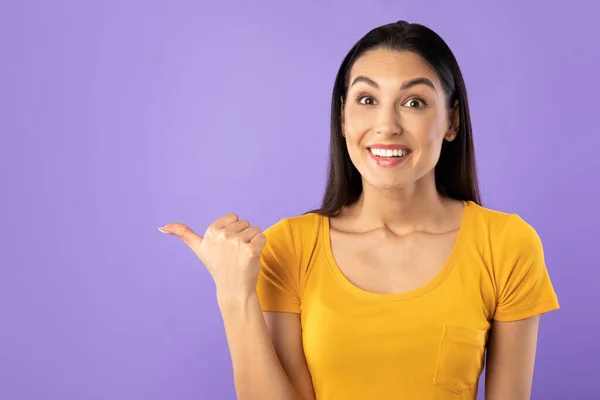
[460, 358]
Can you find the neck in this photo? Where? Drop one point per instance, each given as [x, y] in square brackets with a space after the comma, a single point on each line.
[419, 207]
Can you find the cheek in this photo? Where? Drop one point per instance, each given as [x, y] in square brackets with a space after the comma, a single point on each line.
[356, 127]
[426, 128]
[430, 137]
[356, 122]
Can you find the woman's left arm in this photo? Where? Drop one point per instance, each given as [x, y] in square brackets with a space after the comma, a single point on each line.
[510, 359]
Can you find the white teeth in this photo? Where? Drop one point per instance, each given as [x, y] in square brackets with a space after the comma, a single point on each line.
[388, 152]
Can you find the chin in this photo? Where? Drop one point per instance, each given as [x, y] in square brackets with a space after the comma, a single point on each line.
[387, 183]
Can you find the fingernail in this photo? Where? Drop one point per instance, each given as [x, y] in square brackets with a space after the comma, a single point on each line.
[162, 229]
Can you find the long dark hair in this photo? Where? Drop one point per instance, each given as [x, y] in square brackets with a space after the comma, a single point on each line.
[455, 172]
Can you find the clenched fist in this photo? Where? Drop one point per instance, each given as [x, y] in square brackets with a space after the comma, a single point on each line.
[230, 250]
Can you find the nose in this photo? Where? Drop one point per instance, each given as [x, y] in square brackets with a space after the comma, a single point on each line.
[387, 121]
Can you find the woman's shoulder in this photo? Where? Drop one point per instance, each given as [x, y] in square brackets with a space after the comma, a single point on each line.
[499, 221]
[514, 255]
[503, 230]
[290, 245]
[300, 230]
[304, 224]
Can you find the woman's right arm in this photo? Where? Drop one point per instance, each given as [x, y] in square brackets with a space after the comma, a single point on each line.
[266, 349]
[266, 352]
[286, 335]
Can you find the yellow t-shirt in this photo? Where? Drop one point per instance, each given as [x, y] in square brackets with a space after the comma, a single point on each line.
[428, 343]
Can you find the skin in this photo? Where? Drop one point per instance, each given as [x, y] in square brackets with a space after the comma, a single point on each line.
[399, 234]
[395, 238]
[230, 249]
[511, 358]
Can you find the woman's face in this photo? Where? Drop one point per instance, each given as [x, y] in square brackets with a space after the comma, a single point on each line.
[394, 118]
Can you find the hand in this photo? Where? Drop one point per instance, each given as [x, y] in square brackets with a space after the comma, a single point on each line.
[230, 250]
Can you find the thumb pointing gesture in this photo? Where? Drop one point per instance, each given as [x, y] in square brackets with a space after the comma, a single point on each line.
[189, 237]
[230, 250]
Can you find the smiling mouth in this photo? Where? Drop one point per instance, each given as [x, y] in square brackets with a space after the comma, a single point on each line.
[389, 153]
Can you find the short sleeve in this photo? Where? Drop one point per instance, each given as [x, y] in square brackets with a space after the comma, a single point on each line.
[523, 283]
[278, 280]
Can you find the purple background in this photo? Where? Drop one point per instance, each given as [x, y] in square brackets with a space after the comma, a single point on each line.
[119, 116]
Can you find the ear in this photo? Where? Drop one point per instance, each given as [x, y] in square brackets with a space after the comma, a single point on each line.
[453, 122]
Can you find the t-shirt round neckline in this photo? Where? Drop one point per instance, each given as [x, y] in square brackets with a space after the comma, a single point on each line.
[427, 287]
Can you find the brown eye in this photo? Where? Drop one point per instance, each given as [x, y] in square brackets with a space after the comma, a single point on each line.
[366, 100]
[415, 103]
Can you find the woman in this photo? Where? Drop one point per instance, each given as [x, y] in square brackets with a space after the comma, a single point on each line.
[400, 282]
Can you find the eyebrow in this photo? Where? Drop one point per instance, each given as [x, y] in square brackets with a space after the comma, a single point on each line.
[405, 85]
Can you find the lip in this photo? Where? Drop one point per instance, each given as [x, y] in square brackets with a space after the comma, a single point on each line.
[388, 162]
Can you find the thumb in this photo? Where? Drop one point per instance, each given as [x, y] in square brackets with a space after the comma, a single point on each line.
[189, 237]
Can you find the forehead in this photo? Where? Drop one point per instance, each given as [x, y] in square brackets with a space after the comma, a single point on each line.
[393, 66]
